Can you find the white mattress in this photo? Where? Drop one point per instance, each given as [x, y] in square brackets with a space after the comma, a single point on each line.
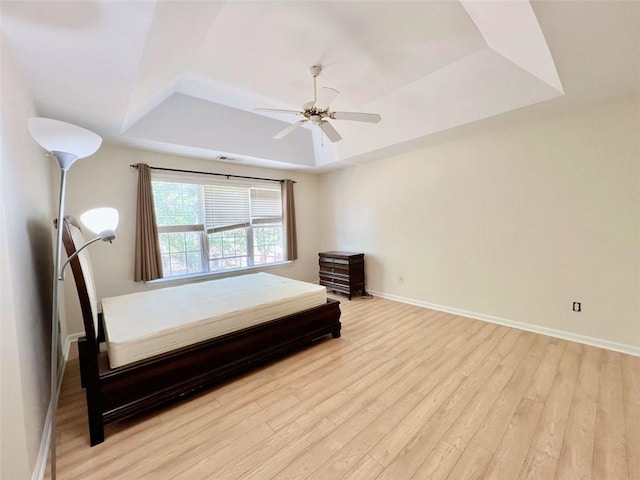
[141, 325]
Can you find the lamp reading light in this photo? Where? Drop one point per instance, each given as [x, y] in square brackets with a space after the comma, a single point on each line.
[102, 221]
[67, 143]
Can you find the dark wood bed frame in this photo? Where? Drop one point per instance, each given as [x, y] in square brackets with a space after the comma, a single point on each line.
[117, 393]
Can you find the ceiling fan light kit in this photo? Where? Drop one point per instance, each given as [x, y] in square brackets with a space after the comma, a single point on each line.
[318, 113]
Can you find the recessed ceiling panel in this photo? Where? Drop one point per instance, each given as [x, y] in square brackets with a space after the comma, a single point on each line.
[479, 86]
[193, 122]
[366, 49]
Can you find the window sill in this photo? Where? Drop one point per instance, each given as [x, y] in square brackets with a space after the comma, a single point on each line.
[201, 277]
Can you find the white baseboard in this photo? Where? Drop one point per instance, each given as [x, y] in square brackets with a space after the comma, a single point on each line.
[67, 344]
[552, 332]
[43, 453]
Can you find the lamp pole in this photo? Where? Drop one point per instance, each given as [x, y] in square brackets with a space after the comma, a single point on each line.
[64, 160]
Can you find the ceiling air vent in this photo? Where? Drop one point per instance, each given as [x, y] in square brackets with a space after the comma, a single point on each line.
[227, 158]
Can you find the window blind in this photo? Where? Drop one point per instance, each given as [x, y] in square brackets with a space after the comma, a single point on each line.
[266, 206]
[226, 208]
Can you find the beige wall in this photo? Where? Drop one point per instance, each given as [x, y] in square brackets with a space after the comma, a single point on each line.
[26, 273]
[515, 224]
[106, 179]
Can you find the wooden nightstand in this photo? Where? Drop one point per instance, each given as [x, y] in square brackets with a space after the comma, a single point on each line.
[342, 272]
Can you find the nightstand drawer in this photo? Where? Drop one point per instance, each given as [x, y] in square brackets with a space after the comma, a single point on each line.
[324, 279]
[334, 268]
[335, 261]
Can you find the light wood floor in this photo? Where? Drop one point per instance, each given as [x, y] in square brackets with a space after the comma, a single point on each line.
[406, 393]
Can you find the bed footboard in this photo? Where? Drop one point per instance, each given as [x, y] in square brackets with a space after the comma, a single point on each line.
[115, 394]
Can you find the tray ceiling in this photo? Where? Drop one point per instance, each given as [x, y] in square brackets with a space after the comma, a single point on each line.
[184, 77]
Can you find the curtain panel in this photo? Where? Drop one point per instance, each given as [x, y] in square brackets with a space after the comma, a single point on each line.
[289, 221]
[148, 261]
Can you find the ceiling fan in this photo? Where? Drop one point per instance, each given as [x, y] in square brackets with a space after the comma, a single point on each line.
[318, 113]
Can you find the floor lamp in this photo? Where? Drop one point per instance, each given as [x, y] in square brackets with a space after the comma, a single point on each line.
[66, 143]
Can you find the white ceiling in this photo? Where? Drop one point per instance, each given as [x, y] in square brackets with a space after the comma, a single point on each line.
[184, 76]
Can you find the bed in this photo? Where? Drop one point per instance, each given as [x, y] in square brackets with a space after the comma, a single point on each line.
[154, 347]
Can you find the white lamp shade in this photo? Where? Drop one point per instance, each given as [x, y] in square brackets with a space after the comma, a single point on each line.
[57, 136]
[100, 219]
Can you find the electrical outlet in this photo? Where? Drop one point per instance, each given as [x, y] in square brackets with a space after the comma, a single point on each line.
[577, 307]
[400, 278]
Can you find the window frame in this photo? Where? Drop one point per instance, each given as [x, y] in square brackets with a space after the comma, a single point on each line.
[248, 228]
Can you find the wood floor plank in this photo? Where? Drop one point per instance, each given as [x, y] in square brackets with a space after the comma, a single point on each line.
[396, 441]
[588, 384]
[631, 379]
[472, 463]
[491, 430]
[512, 449]
[610, 449]
[439, 463]
[545, 375]
[300, 371]
[312, 459]
[304, 465]
[289, 453]
[490, 337]
[505, 346]
[394, 390]
[200, 461]
[383, 426]
[347, 394]
[450, 410]
[405, 393]
[550, 433]
[231, 442]
[353, 397]
[410, 458]
[576, 456]
[477, 376]
[297, 369]
[344, 461]
[317, 392]
[237, 468]
[475, 412]
[633, 439]
[214, 428]
[538, 465]
[366, 469]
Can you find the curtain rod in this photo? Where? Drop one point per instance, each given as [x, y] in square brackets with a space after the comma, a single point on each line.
[228, 175]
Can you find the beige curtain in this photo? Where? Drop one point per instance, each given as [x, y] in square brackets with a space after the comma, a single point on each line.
[148, 262]
[289, 221]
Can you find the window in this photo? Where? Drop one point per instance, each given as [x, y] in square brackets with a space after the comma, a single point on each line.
[212, 225]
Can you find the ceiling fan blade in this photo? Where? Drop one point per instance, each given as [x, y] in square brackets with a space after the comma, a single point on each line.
[358, 117]
[276, 110]
[326, 96]
[289, 129]
[330, 132]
